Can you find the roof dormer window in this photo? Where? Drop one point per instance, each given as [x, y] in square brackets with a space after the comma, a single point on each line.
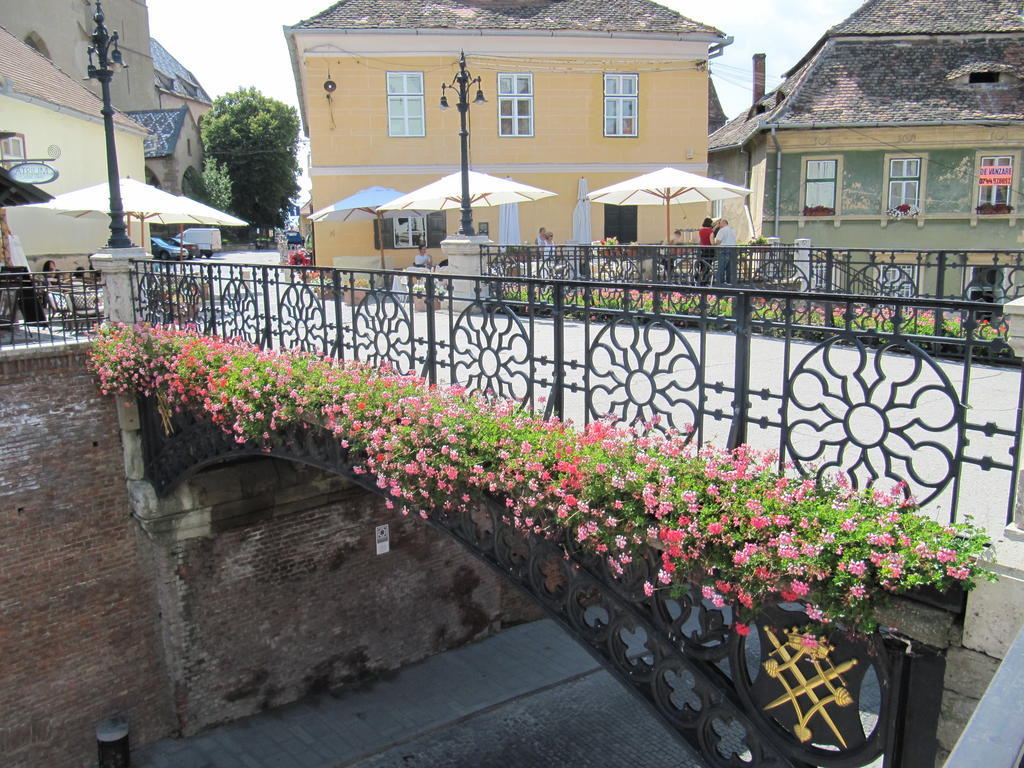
[983, 77]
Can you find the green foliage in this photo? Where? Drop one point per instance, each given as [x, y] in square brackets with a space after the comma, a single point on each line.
[255, 139]
[215, 186]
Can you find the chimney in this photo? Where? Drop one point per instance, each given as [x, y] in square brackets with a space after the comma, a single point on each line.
[758, 77]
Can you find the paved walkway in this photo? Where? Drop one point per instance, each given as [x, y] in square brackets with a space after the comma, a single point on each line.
[529, 697]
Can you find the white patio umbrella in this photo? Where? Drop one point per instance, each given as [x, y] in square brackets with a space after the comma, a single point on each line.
[484, 190]
[140, 200]
[508, 224]
[207, 214]
[144, 202]
[581, 214]
[364, 204]
[665, 187]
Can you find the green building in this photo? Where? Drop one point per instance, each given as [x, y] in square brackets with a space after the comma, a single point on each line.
[901, 129]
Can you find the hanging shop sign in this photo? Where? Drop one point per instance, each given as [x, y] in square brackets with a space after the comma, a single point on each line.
[33, 173]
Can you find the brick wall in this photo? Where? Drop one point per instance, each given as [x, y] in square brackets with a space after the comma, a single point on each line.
[78, 623]
[285, 601]
[277, 593]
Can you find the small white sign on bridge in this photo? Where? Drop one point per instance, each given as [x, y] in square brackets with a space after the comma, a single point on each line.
[383, 534]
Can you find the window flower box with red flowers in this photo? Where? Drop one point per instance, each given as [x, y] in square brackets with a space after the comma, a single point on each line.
[986, 209]
[819, 210]
[902, 211]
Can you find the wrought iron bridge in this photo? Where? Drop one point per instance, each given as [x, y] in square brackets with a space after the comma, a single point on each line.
[865, 392]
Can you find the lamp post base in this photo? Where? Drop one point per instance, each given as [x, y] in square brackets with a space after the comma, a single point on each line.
[463, 254]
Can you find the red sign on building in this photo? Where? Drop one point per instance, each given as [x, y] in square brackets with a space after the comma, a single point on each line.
[992, 175]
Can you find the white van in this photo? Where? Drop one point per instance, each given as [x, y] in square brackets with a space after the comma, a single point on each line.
[208, 240]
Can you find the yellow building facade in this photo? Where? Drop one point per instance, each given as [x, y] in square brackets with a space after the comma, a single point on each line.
[603, 107]
[44, 113]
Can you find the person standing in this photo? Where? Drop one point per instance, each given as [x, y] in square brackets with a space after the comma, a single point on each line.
[706, 233]
[542, 237]
[726, 238]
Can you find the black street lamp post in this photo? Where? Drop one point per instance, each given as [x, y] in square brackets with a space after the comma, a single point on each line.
[104, 45]
[461, 84]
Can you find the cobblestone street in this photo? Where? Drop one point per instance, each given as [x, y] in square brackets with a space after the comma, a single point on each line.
[529, 696]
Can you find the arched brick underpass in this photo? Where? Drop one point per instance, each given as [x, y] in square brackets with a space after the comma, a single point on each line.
[678, 655]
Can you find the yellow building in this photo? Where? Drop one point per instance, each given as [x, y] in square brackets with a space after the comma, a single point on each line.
[42, 110]
[600, 90]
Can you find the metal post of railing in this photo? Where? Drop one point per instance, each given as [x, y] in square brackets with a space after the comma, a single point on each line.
[915, 691]
[741, 311]
[339, 324]
[940, 280]
[430, 361]
[268, 330]
[556, 405]
[830, 256]
[211, 299]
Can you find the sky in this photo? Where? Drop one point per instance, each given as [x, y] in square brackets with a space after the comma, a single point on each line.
[234, 43]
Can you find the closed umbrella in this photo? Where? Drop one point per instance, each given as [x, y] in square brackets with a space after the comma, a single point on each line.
[581, 214]
[665, 187]
[508, 224]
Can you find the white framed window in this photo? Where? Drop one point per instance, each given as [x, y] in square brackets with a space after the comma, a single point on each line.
[410, 231]
[620, 104]
[12, 149]
[905, 182]
[405, 104]
[820, 184]
[994, 185]
[716, 209]
[515, 104]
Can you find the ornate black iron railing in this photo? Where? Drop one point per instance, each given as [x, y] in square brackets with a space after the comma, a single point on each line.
[883, 390]
[49, 308]
[992, 276]
[778, 697]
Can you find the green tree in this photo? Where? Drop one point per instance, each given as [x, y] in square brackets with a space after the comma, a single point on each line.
[215, 186]
[255, 138]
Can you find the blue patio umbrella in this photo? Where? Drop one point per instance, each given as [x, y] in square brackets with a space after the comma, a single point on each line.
[363, 204]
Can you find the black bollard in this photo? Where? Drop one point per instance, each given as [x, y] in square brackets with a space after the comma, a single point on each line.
[112, 743]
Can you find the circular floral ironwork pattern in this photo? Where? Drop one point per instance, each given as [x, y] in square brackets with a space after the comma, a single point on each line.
[301, 319]
[173, 299]
[238, 311]
[491, 351]
[887, 413]
[642, 374]
[383, 331]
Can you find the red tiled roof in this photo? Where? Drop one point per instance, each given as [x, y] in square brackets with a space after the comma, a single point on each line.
[578, 15]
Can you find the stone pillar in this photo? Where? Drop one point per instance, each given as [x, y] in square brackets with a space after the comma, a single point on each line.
[995, 610]
[802, 259]
[463, 254]
[115, 265]
[1014, 312]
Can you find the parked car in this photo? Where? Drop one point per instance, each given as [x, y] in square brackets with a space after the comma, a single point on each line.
[206, 239]
[294, 237]
[189, 250]
[172, 248]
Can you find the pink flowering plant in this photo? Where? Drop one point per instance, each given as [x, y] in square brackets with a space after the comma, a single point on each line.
[726, 521]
